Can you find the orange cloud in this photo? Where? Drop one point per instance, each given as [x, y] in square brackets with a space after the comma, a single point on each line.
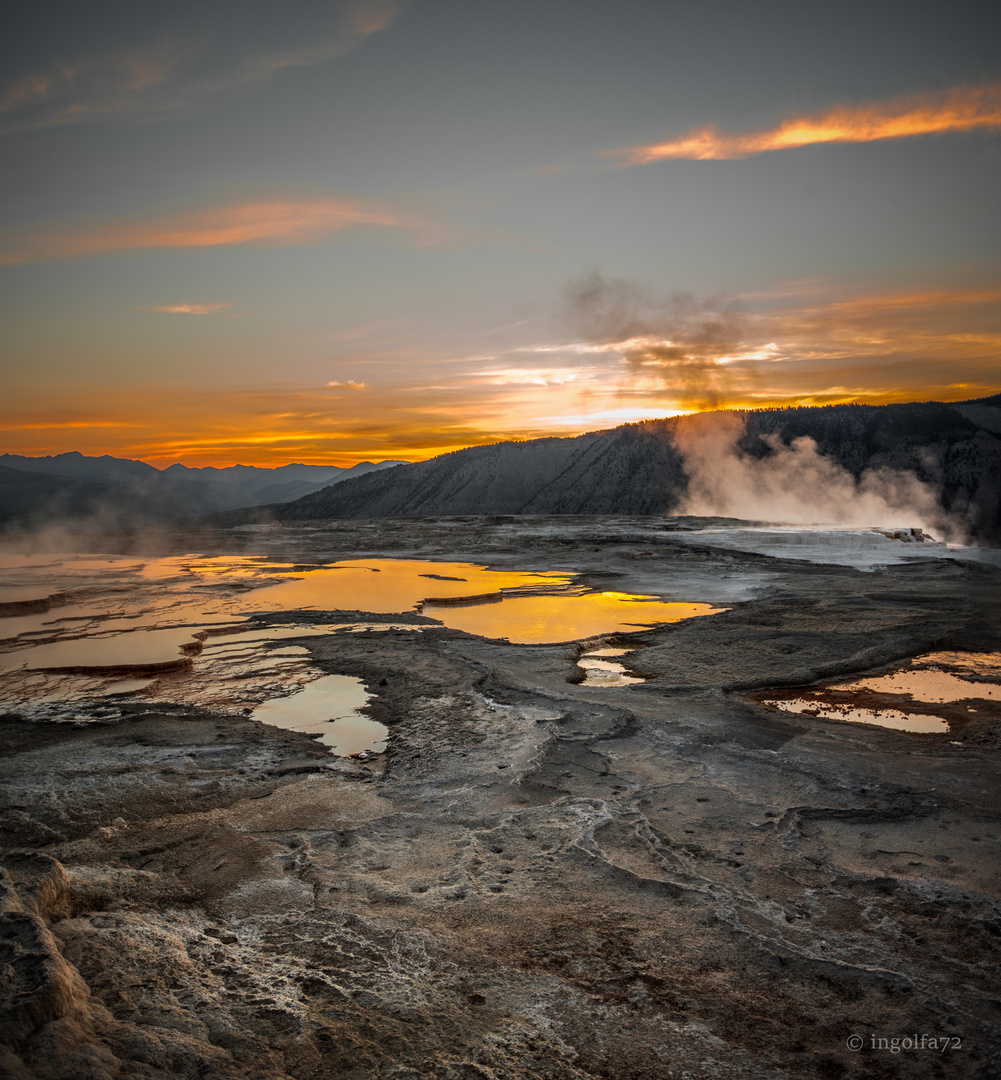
[58, 425]
[279, 222]
[963, 108]
[370, 18]
[932, 327]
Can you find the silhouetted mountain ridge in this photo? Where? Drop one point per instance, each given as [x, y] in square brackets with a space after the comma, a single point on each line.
[637, 468]
[36, 499]
[109, 492]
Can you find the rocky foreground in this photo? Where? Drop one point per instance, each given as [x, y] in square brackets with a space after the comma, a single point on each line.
[539, 879]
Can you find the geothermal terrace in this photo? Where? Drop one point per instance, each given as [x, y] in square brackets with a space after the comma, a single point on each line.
[501, 797]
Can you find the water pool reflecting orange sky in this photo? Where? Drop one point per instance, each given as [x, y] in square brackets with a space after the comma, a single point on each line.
[541, 619]
[328, 707]
[129, 613]
[387, 585]
[904, 699]
[497, 606]
[184, 624]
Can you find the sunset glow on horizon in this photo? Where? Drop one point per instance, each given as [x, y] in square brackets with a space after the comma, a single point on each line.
[375, 230]
[825, 349]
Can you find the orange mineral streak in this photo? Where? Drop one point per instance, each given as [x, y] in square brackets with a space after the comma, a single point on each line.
[964, 108]
[277, 223]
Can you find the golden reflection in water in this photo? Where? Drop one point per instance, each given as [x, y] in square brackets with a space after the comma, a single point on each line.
[536, 620]
[209, 568]
[21, 593]
[186, 619]
[924, 683]
[139, 649]
[915, 723]
[392, 585]
[601, 671]
[495, 608]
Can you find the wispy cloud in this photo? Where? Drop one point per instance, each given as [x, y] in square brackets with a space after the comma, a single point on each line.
[187, 309]
[963, 108]
[941, 334]
[169, 71]
[59, 425]
[275, 222]
[530, 376]
[349, 384]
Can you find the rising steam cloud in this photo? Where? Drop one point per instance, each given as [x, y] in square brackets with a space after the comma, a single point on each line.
[795, 484]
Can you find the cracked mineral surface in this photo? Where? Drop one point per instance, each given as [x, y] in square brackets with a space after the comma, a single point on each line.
[543, 875]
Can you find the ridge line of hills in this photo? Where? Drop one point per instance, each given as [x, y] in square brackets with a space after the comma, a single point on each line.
[953, 448]
[120, 492]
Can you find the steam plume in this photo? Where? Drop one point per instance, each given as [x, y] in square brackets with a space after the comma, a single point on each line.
[795, 484]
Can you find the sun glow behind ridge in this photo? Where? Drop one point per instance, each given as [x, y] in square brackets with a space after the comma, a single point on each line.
[799, 344]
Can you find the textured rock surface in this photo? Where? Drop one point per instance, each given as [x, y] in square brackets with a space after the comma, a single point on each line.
[540, 879]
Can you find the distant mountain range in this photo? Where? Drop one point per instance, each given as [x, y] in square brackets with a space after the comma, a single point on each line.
[117, 492]
[954, 449]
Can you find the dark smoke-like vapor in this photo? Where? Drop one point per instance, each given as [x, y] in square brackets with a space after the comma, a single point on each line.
[679, 340]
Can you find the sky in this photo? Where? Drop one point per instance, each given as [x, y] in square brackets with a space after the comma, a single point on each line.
[378, 229]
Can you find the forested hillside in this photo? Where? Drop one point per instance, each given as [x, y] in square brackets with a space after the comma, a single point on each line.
[641, 468]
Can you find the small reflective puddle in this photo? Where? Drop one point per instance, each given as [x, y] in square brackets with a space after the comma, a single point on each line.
[888, 718]
[328, 707]
[937, 693]
[601, 670]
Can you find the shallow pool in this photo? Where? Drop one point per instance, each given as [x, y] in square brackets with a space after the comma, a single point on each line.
[933, 694]
[191, 628]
